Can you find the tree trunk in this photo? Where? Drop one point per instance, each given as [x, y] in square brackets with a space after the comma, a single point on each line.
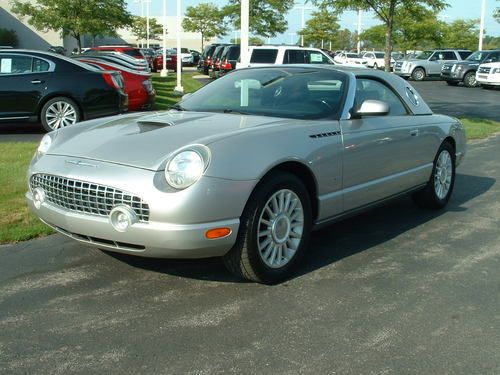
[78, 42]
[202, 40]
[388, 43]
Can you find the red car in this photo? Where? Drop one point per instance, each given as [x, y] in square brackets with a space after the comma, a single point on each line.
[138, 85]
[126, 50]
[171, 63]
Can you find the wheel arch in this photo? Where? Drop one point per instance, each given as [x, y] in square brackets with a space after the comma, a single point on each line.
[304, 174]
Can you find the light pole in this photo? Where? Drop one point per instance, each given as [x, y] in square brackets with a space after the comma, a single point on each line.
[147, 22]
[359, 24]
[244, 32]
[164, 70]
[179, 87]
[481, 26]
[302, 7]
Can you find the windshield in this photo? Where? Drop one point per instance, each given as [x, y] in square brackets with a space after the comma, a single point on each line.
[423, 55]
[379, 55]
[352, 55]
[279, 92]
[477, 56]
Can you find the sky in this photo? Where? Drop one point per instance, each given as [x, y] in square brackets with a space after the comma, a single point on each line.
[468, 9]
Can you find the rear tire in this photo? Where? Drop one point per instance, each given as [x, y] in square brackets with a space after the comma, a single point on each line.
[59, 112]
[439, 188]
[274, 230]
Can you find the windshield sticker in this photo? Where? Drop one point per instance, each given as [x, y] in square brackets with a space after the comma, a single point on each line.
[6, 66]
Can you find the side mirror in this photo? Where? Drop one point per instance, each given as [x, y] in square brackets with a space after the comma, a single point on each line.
[372, 108]
[185, 96]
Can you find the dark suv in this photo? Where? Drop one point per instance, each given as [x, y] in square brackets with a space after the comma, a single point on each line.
[465, 71]
[229, 58]
[206, 58]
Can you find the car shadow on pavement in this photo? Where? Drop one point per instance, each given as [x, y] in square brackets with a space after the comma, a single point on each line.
[21, 132]
[335, 242]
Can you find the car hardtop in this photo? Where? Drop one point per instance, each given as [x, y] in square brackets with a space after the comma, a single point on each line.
[402, 87]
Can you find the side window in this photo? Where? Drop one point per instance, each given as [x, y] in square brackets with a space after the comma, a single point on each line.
[294, 56]
[464, 54]
[15, 64]
[40, 66]
[495, 57]
[448, 55]
[369, 89]
[315, 57]
[264, 56]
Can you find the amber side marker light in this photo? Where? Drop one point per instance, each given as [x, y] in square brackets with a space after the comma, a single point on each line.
[213, 234]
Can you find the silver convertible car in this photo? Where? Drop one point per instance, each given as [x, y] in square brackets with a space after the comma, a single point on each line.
[246, 167]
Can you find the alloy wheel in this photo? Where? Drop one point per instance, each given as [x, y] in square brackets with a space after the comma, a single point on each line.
[280, 228]
[60, 114]
[443, 174]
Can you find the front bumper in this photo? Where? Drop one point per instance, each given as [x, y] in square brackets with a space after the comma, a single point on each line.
[401, 73]
[178, 220]
[488, 79]
[157, 240]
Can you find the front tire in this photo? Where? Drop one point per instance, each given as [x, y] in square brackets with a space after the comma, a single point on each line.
[58, 113]
[274, 230]
[418, 74]
[470, 80]
[438, 190]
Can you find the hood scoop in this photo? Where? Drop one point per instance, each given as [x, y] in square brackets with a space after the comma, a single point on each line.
[148, 125]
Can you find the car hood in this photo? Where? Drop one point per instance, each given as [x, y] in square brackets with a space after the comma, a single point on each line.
[465, 63]
[146, 141]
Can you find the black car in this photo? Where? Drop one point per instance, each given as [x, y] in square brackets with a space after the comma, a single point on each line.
[228, 60]
[216, 60]
[206, 58]
[465, 71]
[196, 56]
[56, 90]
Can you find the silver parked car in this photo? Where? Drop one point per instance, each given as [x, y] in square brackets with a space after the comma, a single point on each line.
[246, 167]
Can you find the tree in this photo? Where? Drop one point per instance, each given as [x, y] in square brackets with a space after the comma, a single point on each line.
[253, 41]
[267, 17]
[491, 42]
[461, 34]
[321, 27]
[140, 30]
[206, 19]
[344, 40]
[496, 14]
[8, 38]
[386, 11]
[75, 17]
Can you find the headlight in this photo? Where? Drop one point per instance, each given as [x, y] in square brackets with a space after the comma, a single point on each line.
[495, 70]
[45, 144]
[187, 166]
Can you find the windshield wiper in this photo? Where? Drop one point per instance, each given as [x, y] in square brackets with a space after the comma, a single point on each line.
[177, 107]
[227, 110]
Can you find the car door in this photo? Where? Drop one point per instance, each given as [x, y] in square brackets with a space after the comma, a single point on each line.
[23, 83]
[377, 151]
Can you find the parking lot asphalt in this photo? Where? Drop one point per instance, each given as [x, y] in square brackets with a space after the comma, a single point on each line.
[397, 290]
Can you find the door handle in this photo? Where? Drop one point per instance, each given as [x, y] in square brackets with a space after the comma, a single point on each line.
[36, 82]
[414, 133]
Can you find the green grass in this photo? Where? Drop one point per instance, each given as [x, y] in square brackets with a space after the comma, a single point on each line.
[164, 87]
[480, 128]
[16, 222]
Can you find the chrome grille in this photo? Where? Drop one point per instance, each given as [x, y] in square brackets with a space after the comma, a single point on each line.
[87, 197]
[446, 68]
[484, 69]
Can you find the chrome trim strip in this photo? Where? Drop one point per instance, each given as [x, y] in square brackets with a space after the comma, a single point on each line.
[14, 118]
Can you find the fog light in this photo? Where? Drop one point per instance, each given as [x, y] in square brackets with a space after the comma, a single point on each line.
[122, 217]
[38, 197]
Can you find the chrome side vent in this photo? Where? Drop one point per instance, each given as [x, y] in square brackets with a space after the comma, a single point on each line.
[324, 135]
